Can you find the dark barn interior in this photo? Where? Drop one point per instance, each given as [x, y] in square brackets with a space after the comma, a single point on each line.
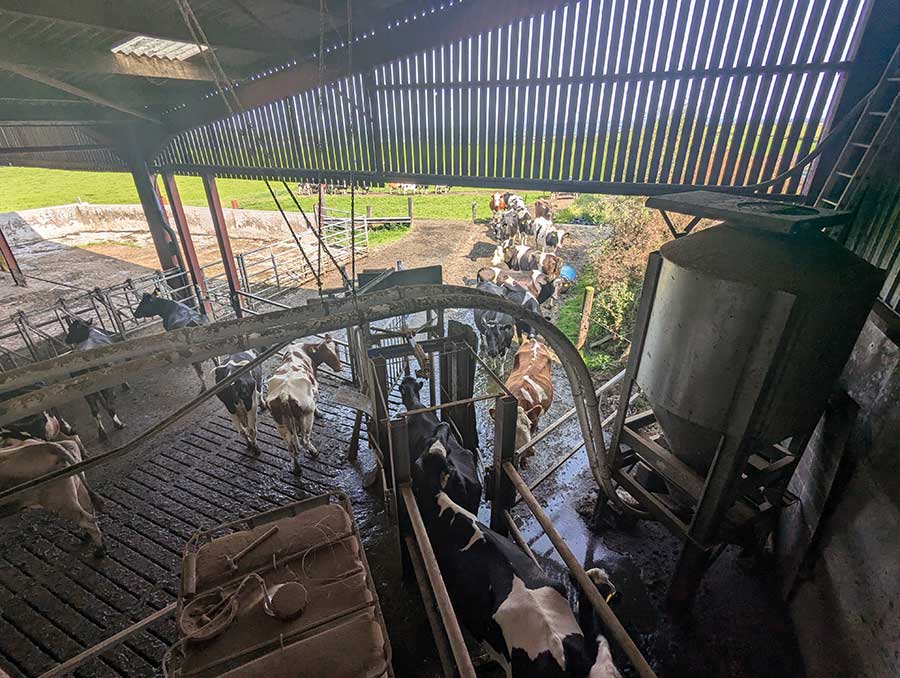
[737, 480]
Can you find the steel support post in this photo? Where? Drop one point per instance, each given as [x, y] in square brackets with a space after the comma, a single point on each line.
[187, 243]
[378, 392]
[504, 493]
[402, 476]
[458, 381]
[8, 260]
[222, 237]
[164, 239]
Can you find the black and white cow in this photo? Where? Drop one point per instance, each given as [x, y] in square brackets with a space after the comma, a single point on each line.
[521, 616]
[496, 328]
[505, 225]
[426, 432]
[546, 235]
[243, 396]
[524, 220]
[522, 297]
[45, 425]
[175, 315]
[538, 284]
[84, 336]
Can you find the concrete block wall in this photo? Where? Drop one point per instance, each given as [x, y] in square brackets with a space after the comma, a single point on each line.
[847, 615]
[96, 222]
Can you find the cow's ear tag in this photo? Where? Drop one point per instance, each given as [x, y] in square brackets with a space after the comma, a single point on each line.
[445, 478]
[156, 292]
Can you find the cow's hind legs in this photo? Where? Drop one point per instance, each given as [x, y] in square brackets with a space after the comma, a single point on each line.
[198, 368]
[251, 423]
[306, 426]
[78, 508]
[287, 434]
[107, 397]
[93, 402]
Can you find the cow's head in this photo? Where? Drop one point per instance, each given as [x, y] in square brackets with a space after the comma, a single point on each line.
[551, 266]
[432, 469]
[79, 330]
[326, 352]
[409, 392]
[486, 274]
[554, 238]
[560, 287]
[149, 305]
[498, 334]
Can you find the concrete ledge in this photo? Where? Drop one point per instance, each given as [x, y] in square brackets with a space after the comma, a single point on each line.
[54, 223]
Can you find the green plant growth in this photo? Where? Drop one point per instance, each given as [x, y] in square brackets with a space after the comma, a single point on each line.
[611, 320]
[385, 235]
[616, 271]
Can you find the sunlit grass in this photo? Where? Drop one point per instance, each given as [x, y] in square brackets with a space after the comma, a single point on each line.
[24, 188]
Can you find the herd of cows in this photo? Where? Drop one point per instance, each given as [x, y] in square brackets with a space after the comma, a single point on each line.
[531, 623]
[41, 443]
[529, 277]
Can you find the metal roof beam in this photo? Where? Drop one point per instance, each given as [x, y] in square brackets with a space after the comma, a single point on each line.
[69, 88]
[162, 20]
[104, 63]
[15, 150]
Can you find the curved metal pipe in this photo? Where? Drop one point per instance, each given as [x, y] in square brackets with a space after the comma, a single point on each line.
[109, 364]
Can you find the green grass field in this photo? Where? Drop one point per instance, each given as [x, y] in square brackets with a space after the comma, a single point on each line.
[24, 188]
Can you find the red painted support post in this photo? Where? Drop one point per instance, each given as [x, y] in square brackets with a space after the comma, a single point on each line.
[218, 220]
[187, 242]
[8, 260]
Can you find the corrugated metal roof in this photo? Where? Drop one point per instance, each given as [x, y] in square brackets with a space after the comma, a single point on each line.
[143, 45]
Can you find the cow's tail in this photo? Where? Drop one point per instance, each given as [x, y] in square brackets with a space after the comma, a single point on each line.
[98, 502]
[288, 413]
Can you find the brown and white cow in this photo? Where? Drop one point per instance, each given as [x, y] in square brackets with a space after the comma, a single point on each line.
[292, 392]
[531, 384]
[70, 497]
[46, 425]
[498, 201]
[542, 208]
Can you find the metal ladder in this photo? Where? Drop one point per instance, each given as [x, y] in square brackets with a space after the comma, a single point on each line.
[869, 133]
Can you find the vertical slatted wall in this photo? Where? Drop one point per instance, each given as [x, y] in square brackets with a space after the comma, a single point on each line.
[602, 94]
[320, 133]
[20, 136]
[874, 233]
